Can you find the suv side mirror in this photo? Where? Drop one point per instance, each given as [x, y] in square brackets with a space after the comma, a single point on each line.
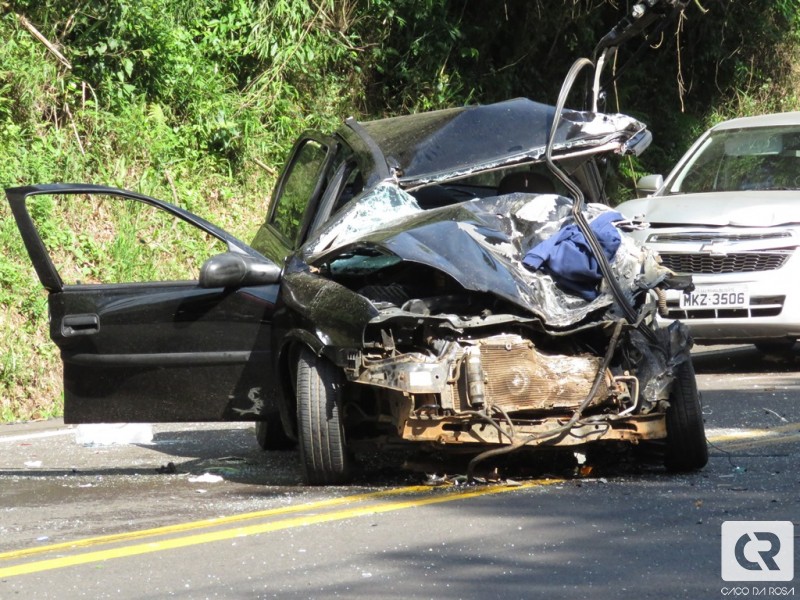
[648, 185]
[233, 270]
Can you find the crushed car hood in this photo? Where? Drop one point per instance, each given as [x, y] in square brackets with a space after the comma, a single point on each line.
[755, 208]
[443, 144]
[479, 243]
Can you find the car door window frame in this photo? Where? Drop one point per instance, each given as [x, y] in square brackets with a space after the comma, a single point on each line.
[345, 169]
[322, 176]
[40, 256]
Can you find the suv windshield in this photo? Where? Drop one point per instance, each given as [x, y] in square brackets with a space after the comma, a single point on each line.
[764, 158]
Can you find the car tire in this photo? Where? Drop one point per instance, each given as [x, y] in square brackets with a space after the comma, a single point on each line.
[686, 448]
[778, 346]
[323, 454]
[270, 434]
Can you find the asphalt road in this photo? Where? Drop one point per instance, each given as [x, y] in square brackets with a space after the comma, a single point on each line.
[201, 512]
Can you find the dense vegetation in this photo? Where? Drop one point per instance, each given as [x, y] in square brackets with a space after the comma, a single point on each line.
[197, 101]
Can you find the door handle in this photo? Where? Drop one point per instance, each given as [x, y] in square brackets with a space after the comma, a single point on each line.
[80, 325]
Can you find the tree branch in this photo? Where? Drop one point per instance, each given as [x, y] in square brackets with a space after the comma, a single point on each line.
[47, 44]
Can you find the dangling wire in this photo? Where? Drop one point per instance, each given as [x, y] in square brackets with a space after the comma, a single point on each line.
[561, 430]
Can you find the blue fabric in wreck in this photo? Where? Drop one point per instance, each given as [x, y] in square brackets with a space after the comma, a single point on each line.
[567, 257]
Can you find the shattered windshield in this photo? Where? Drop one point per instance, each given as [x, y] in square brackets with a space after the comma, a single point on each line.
[765, 158]
[376, 209]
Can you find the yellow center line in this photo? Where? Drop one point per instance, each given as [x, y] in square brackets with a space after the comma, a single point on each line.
[783, 428]
[743, 444]
[227, 534]
[206, 523]
[737, 436]
[762, 435]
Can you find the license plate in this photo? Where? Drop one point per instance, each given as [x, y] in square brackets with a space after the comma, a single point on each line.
[734, 296]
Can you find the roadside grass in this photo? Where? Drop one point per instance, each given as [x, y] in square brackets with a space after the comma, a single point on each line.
[30, 371]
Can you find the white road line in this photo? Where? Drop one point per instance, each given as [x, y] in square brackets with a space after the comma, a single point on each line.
[35, 436]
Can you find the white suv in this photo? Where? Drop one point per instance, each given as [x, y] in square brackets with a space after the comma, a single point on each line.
[729, 215]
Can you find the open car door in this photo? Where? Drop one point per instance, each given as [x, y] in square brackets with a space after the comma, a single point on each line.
[141, 338]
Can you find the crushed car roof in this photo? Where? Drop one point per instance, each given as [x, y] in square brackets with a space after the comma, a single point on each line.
[446, 144]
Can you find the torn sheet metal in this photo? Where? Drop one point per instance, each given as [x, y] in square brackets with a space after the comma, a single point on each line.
[481, 243]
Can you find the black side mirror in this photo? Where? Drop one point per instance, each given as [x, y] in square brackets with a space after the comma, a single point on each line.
[234, 270]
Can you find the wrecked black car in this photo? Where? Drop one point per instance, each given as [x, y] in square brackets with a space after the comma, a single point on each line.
[453, 278]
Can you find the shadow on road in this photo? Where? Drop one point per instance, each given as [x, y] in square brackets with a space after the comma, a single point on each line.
[743, 359]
